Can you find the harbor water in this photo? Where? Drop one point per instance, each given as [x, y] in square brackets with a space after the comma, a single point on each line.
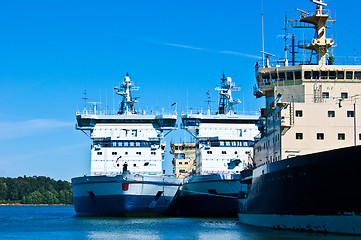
[60, 222]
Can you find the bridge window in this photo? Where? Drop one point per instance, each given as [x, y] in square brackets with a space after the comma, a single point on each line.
[289, 75]
[281, 76]
[266, 78]
[358, 75]
[324, 74]
[349, 75]
[298, 75]
[332, 75]
[307, 74]
[340, 75]
[315, 74]
[274, 76]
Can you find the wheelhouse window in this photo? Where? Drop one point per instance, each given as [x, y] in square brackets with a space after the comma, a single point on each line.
[289, 75]
[281, 76]
[324, 74]
[307, 74]
[331, 113]
[298, 75]
[344, 95]
[274, 76]
[299, 113]
[341, 136]
[320, 136]
[315, 74]
[332, 75]
[299, 136]
[349, 75]
[357, 75]
[340, 75]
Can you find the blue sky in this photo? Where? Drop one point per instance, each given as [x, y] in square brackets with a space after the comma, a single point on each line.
[175, 51]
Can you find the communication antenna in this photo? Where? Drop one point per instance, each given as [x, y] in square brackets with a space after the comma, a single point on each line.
[208, 102]
[262, 35]
[85, 97]
[285, 37]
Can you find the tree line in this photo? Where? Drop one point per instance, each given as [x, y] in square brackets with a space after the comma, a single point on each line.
[35, 190]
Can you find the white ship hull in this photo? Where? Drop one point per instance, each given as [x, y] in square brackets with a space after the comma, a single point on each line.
[123, 195]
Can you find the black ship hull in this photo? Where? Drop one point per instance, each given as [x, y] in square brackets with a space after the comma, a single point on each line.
[316, 191]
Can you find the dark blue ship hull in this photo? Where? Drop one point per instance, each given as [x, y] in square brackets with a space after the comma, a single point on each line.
[321, 184]
[119, 206]
[202, 205]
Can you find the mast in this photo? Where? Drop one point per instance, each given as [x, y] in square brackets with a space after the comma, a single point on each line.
[285, 38]
[320, 43]
[127, 104]
[226, 102]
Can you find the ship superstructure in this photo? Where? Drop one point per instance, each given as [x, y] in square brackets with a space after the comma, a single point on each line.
[223, 149]
[126, 150]
[308, 147]
[225, 139]
[127, 137]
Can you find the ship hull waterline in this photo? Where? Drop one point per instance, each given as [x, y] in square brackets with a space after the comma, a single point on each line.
[316, 192]
[123, 195]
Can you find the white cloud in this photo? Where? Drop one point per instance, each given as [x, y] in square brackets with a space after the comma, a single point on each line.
[212, 50]
[18, 129]
[183, 46]
[240, 54]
